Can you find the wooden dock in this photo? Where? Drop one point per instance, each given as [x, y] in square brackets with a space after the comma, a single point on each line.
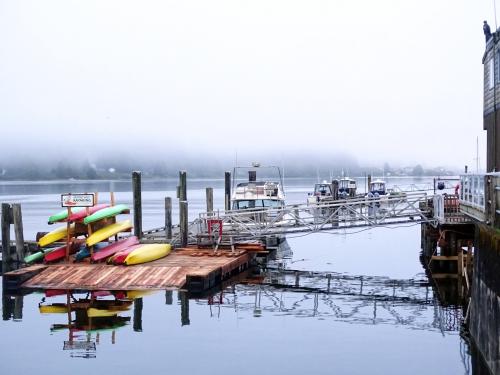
[191, 268]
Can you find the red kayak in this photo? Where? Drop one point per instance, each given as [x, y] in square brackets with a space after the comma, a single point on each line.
[119, 258]
[80, 215]
[100, 293]
[60, 252]
[55, 292]
[114, 248]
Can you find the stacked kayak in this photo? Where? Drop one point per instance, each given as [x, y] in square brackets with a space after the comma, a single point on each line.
[60, 252]
[108, 231]
[56, 235]
[120, 256]
[147, 253]
[63, 215]
[83, 214]
[97, 245]
[106, 213]
[114, 248]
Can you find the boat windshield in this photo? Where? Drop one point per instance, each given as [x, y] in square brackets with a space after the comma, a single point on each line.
[378, 186]
[256, 203]
[322, 189]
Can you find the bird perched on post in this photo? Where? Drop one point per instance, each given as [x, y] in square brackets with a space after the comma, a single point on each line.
[487, 31]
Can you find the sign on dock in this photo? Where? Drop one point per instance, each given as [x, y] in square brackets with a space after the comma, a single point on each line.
[77, 200]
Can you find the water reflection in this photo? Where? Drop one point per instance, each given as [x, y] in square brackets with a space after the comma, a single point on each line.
[88, 315]
[272, 292]
[348, 299]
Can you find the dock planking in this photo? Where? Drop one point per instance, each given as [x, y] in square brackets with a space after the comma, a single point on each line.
[190, 268]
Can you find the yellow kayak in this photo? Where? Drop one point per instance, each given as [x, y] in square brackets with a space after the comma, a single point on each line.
[56, 235]
[109, 231]
[133, 294]
[53, 309]
[99, 313]
[148, 253]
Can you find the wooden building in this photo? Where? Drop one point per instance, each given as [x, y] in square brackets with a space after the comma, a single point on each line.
[491, 107]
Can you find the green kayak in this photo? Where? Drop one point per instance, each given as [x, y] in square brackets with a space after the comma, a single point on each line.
[106, 212]
[63, 215]
[38, 255]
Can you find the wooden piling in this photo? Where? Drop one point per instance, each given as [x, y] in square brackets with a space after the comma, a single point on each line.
[182, 186]
[138, 315]
[169, 297]
[209, 192]
[184, 308]
[137, 196]
[17, 218]
[369, 181]
[17, 313]
[335, 189]
[5, 224]
[168, 218]
[183, 222]
[227, 191]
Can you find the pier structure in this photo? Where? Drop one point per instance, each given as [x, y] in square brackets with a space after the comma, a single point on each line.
[257, 224]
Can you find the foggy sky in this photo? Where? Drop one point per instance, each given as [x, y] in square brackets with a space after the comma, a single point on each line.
[380, 80]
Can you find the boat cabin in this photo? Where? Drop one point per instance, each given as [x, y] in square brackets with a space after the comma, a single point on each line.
[347, 186]
[257, 195]
[378, 186]
[323, 190]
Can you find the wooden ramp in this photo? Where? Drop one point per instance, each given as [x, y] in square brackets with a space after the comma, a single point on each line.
[193, 269]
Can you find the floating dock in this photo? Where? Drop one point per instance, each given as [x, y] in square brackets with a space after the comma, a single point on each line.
[191, 268]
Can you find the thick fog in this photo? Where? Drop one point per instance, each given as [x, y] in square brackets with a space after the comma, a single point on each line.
[375, 81]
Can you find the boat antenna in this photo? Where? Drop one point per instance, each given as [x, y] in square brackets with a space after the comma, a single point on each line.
[495, 11]
[477, 154]
[283, 171]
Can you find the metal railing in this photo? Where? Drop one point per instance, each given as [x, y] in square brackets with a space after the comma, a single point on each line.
[332, 215]
[472, 190]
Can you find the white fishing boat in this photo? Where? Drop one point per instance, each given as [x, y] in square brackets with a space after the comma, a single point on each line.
[347, 187]
[323, 192]
[378, 187]
[258, 201]
[253, 194]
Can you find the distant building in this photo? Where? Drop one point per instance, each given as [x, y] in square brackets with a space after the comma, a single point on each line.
[491, 107]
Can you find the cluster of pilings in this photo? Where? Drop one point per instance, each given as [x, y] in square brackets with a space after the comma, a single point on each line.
[11, 214]
[447, 255]
[183, 206]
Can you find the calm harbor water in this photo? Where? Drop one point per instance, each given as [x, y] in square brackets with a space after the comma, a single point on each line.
[376, 314]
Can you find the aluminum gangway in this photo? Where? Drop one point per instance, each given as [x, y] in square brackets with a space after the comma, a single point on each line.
[394, 209]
